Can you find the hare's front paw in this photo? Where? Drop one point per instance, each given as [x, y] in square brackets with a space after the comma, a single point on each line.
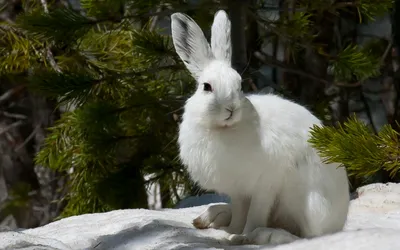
[263, 236]
[216, 216]
[239, 239]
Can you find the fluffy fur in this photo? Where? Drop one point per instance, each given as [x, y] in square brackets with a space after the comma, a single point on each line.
[253, 148]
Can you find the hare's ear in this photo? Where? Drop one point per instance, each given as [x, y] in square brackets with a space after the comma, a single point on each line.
[221, 45]
[190, 43]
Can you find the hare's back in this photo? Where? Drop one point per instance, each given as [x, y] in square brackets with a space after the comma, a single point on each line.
[276, 111]
[284, 126]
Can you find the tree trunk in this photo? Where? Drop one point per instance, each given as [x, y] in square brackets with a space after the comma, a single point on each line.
[238, 15]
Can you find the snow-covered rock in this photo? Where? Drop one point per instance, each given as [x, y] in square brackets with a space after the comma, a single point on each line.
[373, 223]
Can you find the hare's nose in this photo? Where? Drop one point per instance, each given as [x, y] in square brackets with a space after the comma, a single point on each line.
[231, 108]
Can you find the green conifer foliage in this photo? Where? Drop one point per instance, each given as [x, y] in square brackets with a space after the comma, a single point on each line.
[358, 148]
[125, 82]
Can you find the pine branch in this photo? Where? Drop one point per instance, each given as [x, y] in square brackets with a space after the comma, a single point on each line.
[353, 61]
[72, 143]
[107, 66]
[368, 8]
[112, 52]
[94, 140]
[297, 28]
[356, 147]
[17, 52]
[281, 31]
[61, 25]
[49, 54]
[150, 45]
[106, 9]
[69, 87]
[65, 25]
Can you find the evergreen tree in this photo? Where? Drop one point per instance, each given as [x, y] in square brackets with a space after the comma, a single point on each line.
[124, 87]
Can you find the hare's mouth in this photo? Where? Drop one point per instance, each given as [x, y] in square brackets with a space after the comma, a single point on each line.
[230, 117]
[225, 126]
[230, 114]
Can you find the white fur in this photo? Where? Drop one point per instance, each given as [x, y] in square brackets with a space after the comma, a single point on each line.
[260, 157]
[221, 38]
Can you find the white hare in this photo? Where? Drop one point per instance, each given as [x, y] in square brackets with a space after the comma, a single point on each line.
[253, 148]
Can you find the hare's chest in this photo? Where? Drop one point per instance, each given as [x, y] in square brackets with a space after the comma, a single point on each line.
[228, 166]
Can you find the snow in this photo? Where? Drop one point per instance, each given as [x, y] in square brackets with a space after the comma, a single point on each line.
[373, 223]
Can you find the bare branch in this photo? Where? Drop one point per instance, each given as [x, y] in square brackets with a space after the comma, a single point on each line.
[30, 137]
[44, 3]
[388, 48]
[12, 115]
[49, 54]
[275, 63]
[11, 126]
[10, 93]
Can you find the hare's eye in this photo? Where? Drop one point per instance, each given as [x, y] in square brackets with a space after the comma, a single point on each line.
[207, 87]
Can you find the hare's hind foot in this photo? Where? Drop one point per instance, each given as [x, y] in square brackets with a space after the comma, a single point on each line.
[263, 236]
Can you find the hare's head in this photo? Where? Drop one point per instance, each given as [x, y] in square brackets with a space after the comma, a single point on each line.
[218, 98]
